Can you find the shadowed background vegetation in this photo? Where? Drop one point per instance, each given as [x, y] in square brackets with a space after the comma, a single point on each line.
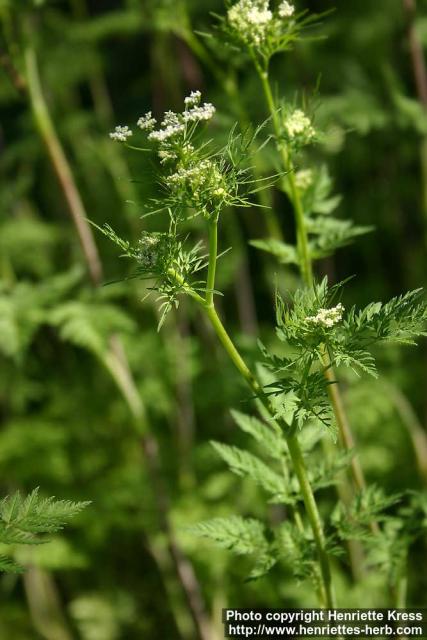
[96, 404]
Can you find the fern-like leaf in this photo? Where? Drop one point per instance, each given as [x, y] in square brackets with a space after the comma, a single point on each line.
[241, 536]
[27, 520]
[272, 442]
[243, 463]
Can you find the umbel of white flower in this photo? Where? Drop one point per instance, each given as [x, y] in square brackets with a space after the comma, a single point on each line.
[172, 126]
[147, 122]
[286, 9]
[121, 134]
[251, 19]
[193, 99]
[327, 317]
[298, 128]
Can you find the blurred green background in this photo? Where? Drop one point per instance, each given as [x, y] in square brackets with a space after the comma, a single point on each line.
[95, 403]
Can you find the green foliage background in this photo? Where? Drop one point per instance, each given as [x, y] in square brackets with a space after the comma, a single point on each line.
[66, 426]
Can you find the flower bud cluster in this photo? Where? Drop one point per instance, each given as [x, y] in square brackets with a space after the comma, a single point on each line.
[298, 129]
[200, 183]
[199, 113]
[327, 317]
[304, 179]
[154, 251]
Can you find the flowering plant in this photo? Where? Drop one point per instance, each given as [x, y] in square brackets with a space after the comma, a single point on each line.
[297, 391]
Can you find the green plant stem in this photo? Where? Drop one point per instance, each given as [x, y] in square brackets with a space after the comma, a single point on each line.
[227, 80]
[342, 420]
[45, 604]
[345, 490]
[302, 237]
[213, 256]
[307, 274]
[313, 516]
[292, 441]
[295, 453]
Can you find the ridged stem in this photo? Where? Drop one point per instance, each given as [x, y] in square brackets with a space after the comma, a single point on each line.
[301, 230]
[307, 274]
[295, 453]
[292, 441]
[213, 256]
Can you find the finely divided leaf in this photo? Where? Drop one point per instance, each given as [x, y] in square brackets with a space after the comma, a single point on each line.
[272, 442]
[245, 464]
[24, 519]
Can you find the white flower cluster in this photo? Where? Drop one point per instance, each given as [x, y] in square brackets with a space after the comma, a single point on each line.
[193, 111]
[250, 18]
[298, 127]
[197, 114]
[193, 99]
[327, 317]
[171, 126]
[304, 179]
[147, 122]
[286, 9]
[121, 134]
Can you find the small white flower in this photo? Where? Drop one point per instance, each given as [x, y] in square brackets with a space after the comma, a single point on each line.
[259, 16]
[147, 122]
[327, 317]
[251, 20]
[168, 132]
[197, 114]
[193, 99]
[170, 119]
[286, 9]
[298, 127]
[121, 134]
[174, 124]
